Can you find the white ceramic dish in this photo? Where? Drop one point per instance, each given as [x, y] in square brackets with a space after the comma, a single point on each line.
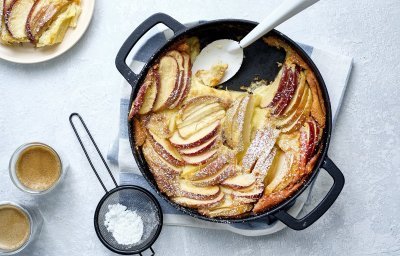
[27, 54]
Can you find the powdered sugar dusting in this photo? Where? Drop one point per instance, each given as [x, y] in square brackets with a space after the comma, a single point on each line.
[125, 225]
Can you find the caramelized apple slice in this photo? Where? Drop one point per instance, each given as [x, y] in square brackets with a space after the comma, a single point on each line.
[308, 141]
[201, 158]
[196, 139]
[263, 166]
[280, 168]
[288, 91]
[200, 193]
[290, 119]
[194, 203]
[241, 124]
[235, 211]
[240, 181]
[261, 144]
[214, 166]
[283, 80]
[195, 127]
[301, 119]
[15, 18]
[152, 156]
[168, 71]
[227, 171]
[147, 94]
[294, 103]
[199, 149]
[187, 73]
[41, 15]
[164, 148]
[268, 92]
[201, 114]
[196, 104]
[231, 114]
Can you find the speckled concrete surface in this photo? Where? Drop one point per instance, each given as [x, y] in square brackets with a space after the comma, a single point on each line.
[36, 101]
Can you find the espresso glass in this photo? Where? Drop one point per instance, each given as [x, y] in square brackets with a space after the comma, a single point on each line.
[64, 165]
[35, 219]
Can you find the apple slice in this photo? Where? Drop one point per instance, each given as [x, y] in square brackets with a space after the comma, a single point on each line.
[41, 15]
[200, 193]
[262, 143]
[253, 192]
[199, 149]
[289, 119]
[201, 114]
[295, 102]
[195, 127]
[152, 156]
[235, 211]
[168, 70]
[241, 129]
[166, 175]
[196, 104]
[187, 73]
[200, 159]
[263, 166]
[227, 171]
[283, 80]
[15, 18]
[301, 119]
[196, 139]
[147, 94]
[280, 168]
[194, 203]
[183, 61]
[165, 149]
[288, 91]
[307, 142]
[214, 166]
[179, 59]
[240, 181]
[268, 92]
[231, 114]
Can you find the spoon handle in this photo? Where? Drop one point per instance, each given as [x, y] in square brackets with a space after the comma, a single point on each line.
[283, 12]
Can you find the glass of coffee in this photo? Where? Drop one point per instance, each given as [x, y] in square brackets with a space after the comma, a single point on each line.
[19, 226]
[37, 168]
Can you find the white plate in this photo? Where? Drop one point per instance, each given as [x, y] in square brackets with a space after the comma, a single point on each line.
[27, 54]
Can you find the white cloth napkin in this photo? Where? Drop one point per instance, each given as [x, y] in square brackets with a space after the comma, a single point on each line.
[335, 70]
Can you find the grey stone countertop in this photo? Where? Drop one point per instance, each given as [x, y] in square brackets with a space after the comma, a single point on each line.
[36, 101]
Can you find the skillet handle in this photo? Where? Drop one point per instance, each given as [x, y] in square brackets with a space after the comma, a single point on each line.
[120, 60]
[323, 206]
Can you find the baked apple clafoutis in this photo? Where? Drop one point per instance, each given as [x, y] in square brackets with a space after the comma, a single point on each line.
[228, 153]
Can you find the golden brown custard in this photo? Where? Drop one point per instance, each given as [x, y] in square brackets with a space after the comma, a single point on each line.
[38, 167]
[14, 228]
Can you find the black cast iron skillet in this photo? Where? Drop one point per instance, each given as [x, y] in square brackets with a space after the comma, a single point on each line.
[260, 62]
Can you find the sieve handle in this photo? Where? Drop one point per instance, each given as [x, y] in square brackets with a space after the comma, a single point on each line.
[86, 153]
[152, 252]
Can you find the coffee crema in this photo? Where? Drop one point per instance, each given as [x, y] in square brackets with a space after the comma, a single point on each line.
[38, 167]
[15, 228]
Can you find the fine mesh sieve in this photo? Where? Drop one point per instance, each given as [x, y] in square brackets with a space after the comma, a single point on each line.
[134, 198]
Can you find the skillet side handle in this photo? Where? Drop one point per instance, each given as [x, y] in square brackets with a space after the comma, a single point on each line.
[323, 206]
[120, 60]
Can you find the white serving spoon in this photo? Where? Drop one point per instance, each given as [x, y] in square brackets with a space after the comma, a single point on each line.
[231, 52]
